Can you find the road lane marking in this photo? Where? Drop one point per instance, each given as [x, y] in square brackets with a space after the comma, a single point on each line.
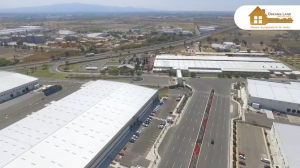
[173, 149]
[188, 128]
[173, 164]
[191, 119]
[167, 163]
[180, 165]
[196, 120]
[185, 152]
[178, 137]
[179, 150]
[190, 139]
[205, 157]
[183, 138]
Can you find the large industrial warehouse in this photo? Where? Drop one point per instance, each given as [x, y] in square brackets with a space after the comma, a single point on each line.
[285, 139]
[83, 129]
[15, 84]
[218, 64]
[282, 97]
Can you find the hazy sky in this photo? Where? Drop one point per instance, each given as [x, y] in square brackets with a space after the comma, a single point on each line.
[178, 5]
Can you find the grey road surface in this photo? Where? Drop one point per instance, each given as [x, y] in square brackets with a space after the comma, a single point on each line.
[177, 146]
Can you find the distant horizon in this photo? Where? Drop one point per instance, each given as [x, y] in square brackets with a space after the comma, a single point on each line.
[159, 5]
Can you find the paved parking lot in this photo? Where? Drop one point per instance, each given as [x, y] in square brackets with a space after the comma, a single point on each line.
[251, 142]
[135, 153]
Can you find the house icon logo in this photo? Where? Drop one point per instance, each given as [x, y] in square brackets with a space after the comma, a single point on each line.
[259, 17]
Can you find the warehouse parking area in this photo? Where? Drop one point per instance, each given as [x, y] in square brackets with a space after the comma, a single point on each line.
[136, 153]
[252, 144]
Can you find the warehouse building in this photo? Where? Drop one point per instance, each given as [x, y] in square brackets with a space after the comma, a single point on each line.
[21, 29]
[15, 84]
[85, 129]
[282, 97]
[218, 64]
[285, 138]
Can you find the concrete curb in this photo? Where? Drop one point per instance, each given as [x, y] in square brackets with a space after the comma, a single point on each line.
[266, 144]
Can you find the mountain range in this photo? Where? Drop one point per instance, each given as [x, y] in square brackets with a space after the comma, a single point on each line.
[74, 8]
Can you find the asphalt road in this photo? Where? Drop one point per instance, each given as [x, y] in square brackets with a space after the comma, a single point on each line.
[177, 147]
[109, 54]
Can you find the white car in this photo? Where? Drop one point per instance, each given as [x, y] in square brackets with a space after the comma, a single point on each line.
[145, 125]
[242, 157]
[161, 126]
[265, 160]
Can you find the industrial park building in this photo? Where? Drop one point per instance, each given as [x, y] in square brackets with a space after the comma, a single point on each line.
[286, 138]
[85, 129]
[14, 84]
[218, 64]
[281, 97]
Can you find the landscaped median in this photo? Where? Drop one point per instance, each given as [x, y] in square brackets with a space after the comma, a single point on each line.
[201, 133]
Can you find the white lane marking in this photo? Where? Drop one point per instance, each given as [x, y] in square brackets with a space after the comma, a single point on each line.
[196, 121]
[167, 163]
[183, 138]
[205, 157]
[191, 119]
[186, 118]
[179, 150]
[193, 129]
[185, 152]
[212, 160]
[190, 139]
[221, 148]
[197, 106]
[180, 165]
[188, 128]
[173, 149]
[173, 164]
[178, 137]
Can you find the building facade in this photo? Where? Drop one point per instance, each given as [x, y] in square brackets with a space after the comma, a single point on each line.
[281, 97]
[15, 85]
[285, 139]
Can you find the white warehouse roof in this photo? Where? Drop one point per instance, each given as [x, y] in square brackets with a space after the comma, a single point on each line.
[289, 136]
[275, 91]
[223, 63]
[12, 80]
[70, 132]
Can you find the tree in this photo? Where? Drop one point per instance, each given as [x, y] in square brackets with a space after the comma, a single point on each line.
[81, 48]
[132, 72]
[261, 42]
[208, 38]
[44, 66]
[139, 73]
[67, 54]
[66, 68]
[292, 76]
[66, 63]
[102, 72]
[216, 39]
[193, 74]
[19, 42]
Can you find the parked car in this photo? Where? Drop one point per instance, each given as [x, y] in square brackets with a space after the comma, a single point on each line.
[265, 160]
[240, 153]
[268, 166]
[242, 157]
[161, 126]
[152, 114]
[121, 153]
[135, 137]
[178, 99]
[147, 122]
[150, 117]
[145, 125]
[242, 163]
[212, 141]
[132, 140]
[137, 133]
